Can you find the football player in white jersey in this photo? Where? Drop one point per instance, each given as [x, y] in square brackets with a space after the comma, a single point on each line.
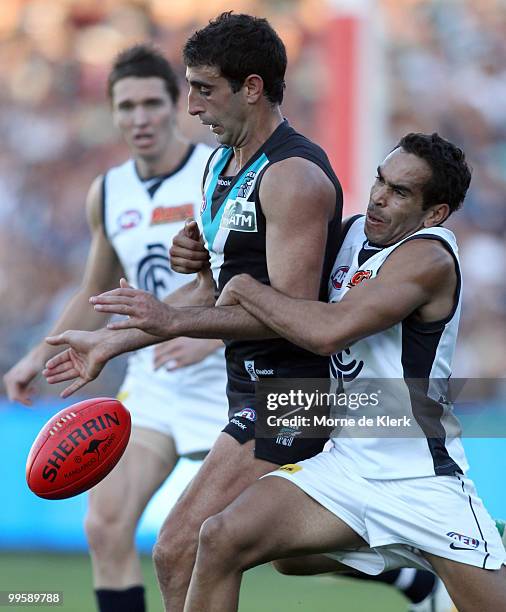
[373, 503]
[176, 392]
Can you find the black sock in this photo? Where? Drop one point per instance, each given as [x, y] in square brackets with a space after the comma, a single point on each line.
[121, 600]
[421, 585]
[415, 584]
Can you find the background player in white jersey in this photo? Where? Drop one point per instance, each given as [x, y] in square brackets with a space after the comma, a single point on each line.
[374, 502]
[134, 211]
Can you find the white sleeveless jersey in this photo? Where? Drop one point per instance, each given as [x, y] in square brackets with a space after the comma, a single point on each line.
[413, 361]
[141, 227]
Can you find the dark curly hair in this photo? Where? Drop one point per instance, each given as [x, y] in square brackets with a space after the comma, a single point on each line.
[144, 61]
[240, 45]
[451, 174]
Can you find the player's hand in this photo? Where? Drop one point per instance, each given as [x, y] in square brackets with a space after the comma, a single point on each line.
[142, 309]
[188, 253]
[81, 363]
[19, 380]
[236, 286]
[181, 352]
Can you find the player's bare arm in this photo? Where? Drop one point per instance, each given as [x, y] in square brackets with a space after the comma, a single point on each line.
[420, 274]
[101, 273]
[298, 201]
[89, 351]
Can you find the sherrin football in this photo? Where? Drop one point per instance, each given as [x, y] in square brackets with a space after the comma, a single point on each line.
[77, 448]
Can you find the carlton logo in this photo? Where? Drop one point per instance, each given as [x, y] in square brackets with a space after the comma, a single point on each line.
[358, 277]
[338, 276]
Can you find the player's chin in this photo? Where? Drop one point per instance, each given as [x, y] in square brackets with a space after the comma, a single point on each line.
[375, 233]
[224, 139]
[148, 153]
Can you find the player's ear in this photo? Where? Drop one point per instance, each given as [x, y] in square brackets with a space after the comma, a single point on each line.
[253, 87]
[436, 215]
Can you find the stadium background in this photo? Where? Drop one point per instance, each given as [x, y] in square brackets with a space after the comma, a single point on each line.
[361, 73]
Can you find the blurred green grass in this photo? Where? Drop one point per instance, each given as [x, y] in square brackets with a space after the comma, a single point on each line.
[263, 589]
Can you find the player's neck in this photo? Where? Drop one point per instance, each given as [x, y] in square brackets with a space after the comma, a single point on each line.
[257, 130]
[167, 162]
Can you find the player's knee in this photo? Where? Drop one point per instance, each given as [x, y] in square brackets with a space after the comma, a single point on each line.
[213, 542]
[108, 536]
[175, 540]
[221, 542]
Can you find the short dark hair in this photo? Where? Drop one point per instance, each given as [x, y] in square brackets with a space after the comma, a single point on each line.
[144, 61]
[240, 45]
[451, 174]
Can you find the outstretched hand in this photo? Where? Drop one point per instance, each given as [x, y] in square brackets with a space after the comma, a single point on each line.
[81, 363]
[142, 309]
[19, 381]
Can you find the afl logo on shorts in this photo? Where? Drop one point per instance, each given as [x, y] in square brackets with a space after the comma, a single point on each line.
[463, 542]
[338, 276]
[153, 271]
[247, 413]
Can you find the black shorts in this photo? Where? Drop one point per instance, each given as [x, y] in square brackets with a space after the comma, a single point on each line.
[244, 410]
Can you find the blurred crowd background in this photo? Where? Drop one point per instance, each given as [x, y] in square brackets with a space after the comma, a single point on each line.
[445, 71]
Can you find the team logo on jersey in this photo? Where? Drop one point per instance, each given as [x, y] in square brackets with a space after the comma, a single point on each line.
[153, 271]
[345, 370]
[338, 276]
[203, 206]
[286, 436]
[358, 277]
[239, 216]
[249, 366]
[171, 214]
[247, 413]
[129, 219]
[462, 542]
[247, 185]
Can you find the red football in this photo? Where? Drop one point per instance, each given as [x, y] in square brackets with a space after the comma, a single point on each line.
[78, 447]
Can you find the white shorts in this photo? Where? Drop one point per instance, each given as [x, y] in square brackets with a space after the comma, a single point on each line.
[188, 404]
[441, 515]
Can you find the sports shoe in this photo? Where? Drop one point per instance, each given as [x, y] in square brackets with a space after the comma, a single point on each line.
[437, 600]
